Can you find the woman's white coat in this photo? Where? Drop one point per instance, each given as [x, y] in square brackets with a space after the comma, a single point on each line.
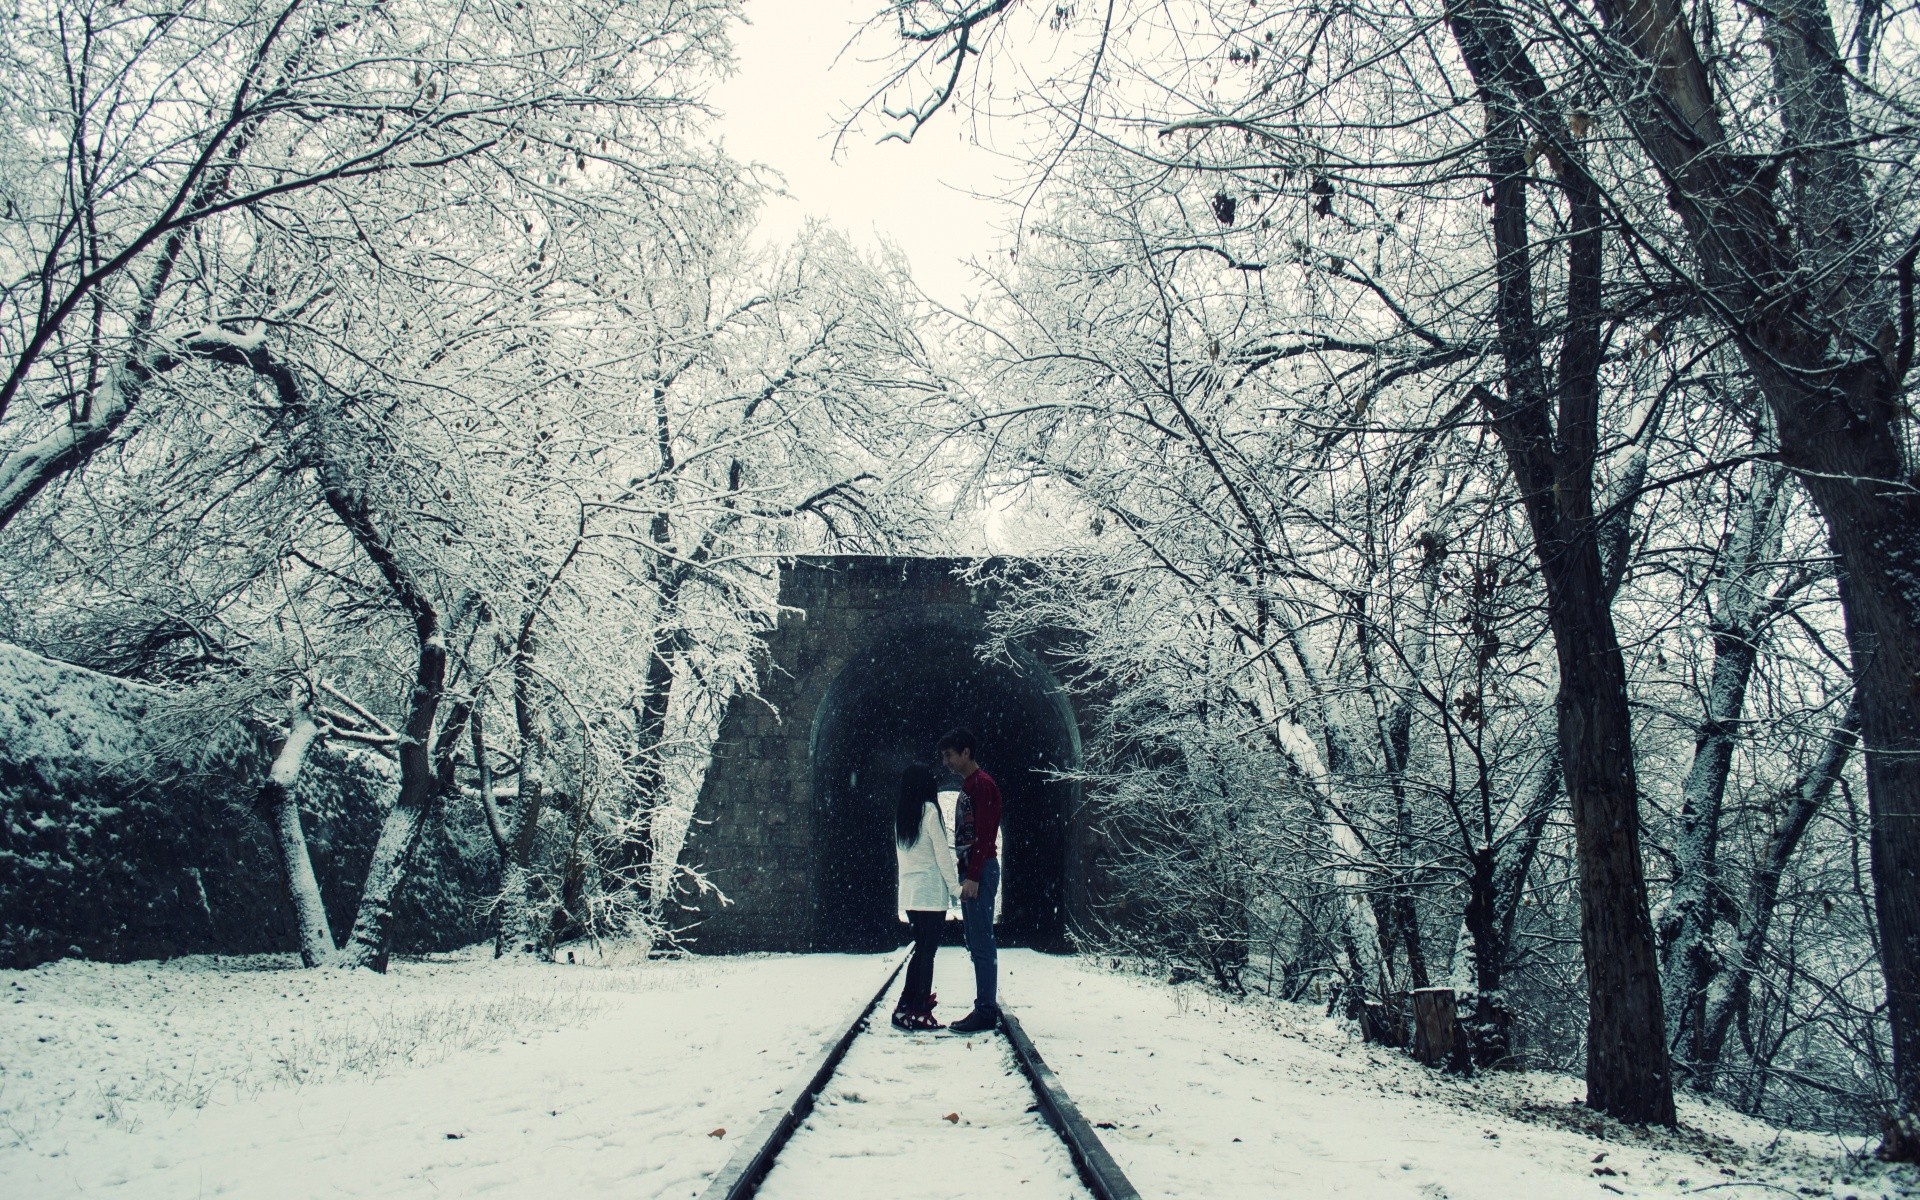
[928, 880]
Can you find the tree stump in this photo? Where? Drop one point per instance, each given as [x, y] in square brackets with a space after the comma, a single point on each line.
[1436, 1031]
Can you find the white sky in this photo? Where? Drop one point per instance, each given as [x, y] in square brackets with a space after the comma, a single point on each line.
[796, 78]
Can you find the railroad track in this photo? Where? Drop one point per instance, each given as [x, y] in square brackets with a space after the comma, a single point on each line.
[744, 1172]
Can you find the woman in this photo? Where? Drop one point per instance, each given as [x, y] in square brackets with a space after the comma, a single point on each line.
[928, 885]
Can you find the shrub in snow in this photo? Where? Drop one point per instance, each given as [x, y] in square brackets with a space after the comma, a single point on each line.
[118, 841]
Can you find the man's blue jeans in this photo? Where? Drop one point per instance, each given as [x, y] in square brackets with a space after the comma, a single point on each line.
[976, 917]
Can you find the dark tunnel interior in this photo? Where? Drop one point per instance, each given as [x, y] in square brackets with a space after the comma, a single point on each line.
[889, 706]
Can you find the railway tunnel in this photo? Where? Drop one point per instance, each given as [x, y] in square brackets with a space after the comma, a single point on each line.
[877, 657]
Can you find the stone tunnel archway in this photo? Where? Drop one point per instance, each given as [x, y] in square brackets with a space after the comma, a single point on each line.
[885, 709]
[793, 822]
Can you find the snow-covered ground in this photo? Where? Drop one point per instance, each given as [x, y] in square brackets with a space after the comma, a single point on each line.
[462, 1076]
[1201, 1097]
[455, 1078]
[926, 1116]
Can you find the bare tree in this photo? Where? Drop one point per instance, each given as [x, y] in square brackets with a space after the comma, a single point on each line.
[1797, 271]
[180, 135]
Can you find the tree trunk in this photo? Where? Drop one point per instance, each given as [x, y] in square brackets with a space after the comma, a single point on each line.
[367, 945]
[489, 804]
[519, 923]
[282, 813]
[1801, 290]
[1437, 1039]
[1346, 854]
[638, 850]
[1879, 548]
[1627, 1070]
[1690, 962]
[1727, 997]
[1553, 463]
[1496, 880]
[1395, 735]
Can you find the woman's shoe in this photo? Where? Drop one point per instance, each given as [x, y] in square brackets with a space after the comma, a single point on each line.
[900, 1018]
[921, 1022]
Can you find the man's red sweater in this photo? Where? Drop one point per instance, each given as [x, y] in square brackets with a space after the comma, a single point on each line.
[976, 823]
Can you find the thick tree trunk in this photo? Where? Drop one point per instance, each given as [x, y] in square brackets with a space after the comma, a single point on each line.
[1878, 539]
[1626, 1077]
[282, 813]
[1437, 1036]
[1801, 289]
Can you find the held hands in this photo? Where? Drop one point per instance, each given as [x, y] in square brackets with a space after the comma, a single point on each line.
[970, 889]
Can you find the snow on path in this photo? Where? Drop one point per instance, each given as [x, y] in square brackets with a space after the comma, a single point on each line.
[1199, 1097]
[619, 1095]
[879, 1129]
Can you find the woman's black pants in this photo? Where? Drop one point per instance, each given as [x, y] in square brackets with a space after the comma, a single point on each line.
[926, 940]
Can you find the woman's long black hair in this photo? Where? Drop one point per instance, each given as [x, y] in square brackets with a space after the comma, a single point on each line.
[918, 788]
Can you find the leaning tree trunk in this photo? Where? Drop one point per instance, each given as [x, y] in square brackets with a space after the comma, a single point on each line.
[367, 946]
[1742, 610]
[1727, 998]
[1552, 457]
[1800, 286]
[281, 811]
[1347, 858]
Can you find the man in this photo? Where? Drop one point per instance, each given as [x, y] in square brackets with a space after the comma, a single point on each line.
[976, 830]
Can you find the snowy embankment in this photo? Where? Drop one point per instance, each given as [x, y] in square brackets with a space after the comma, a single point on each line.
[1197, 1096]
[462, 1075]
[206, 1077]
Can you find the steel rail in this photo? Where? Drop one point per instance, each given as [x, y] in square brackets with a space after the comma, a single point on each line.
[1098, 1171]
[741, 1177]
[748, 1167]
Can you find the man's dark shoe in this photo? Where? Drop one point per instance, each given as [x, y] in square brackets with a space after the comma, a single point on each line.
[976, 1022]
